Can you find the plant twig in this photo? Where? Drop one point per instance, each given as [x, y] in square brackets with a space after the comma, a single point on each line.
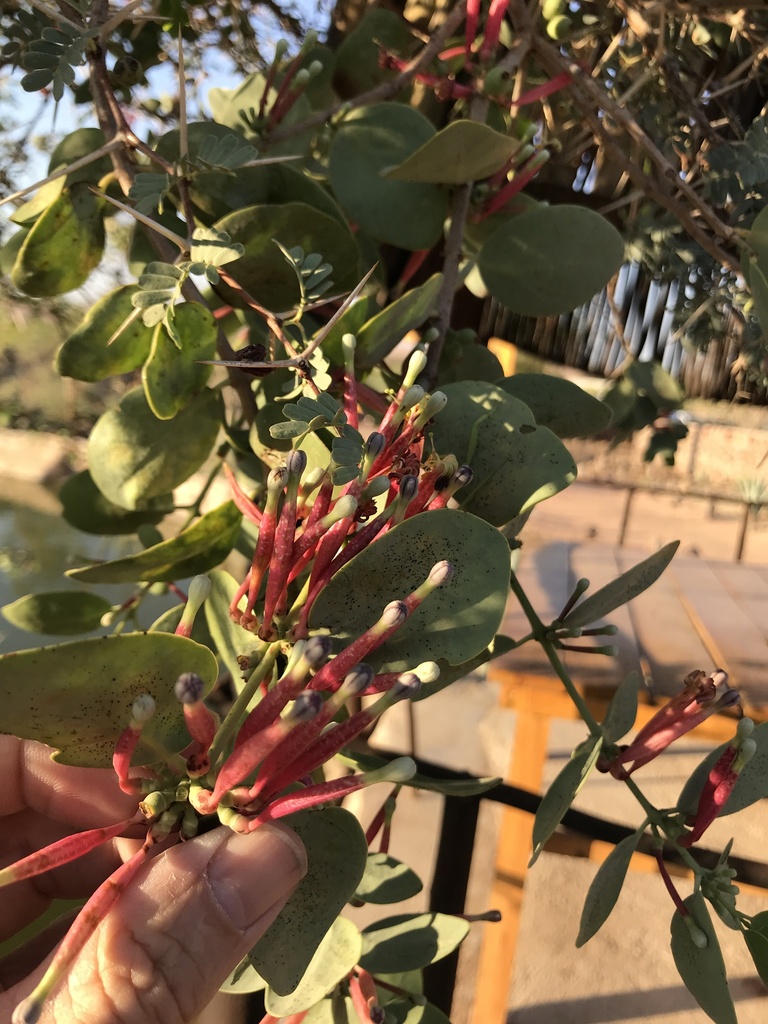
[89, 158]
[386, 90]
[118, 18]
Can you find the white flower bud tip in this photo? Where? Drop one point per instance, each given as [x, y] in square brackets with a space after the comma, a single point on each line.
[428, 672]
[394, 614]
[440, 573]
[412, 396]
[143, 708]
[407, 685]
[402, 769]
[199, 589]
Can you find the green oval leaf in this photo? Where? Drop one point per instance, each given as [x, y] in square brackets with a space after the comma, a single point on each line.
[334, 958]
[75, 146]
[230, 639]
[621, 590]
[387, 880]
[756, 938]
[86, 508]
[263, 270]
[64, 245]
[400, 213]
[85, 355]
[561, 793]
[550, 260]
[409, 941]
[463, 151]
[173, 376]
[605, 888]
[455, 622]
[751, 785]
[516, 463]
[59, 613]
[134, 456]
[559, 404]
[702, 970]
[336, 854]
[77, 696]
[200, 547]
[381, 333]
[622, 711]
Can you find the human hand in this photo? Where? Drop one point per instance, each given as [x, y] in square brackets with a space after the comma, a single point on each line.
[173, 936]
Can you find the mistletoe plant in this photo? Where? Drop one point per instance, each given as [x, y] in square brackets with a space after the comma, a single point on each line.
[377, 499]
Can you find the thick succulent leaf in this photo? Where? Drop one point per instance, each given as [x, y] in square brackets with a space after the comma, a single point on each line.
[381, 333]
[404, 214]
[200, 547]
[559, 404]
[244, 979]
[652, 381]
[357, 58]
[561, 793]
[26, 215]
[232, 107]
[405, 1011]
[263, 270]
[409, 941]
[448, 787]
[77, 696]
[751, 785]
[134, 456]
[540, 263]
[622, 711]
[463, 151]
[756, 938]
[621, 590]
[86, 508]
[229, 638]
[516, 463]
[85, 355]
[606, 887]
[450, 673]
[387, 880]
[334, 958]
[58, 613]
[336, 853]
[463, 359]
[702, 970]
[173, 375]
[455, 622]
[64, 245]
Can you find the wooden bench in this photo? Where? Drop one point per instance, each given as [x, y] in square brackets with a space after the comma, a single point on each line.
[699, 614]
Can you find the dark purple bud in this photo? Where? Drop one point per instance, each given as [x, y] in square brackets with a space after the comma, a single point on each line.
[317, 650]
[375, 443]
[407, 685]
[356, 680]
[189, 688]
[306, 706]
[296, 462]
[463, 476]
[409, 485]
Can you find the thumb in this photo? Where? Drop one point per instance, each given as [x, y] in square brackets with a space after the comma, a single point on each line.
[176, 933]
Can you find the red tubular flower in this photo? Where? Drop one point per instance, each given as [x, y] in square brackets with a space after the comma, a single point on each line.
[721, 780]
[701, 697]
[142, 710]
[250, 510]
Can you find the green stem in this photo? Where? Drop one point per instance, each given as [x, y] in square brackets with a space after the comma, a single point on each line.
[239, 710]
[654, 816]
[539, 632]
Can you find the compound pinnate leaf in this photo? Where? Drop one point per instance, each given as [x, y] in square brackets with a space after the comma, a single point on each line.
[387, 880]
[337, 954]
[86, 508]
[86, 354]
[751, 785]
[550, 260]
[455, 622]
[516, 463]
[605, 888]
[559, 404]
[622, 711]
[64, 245]
[402, 213]
[134, 456]
[59, 613]
[77, 696]
[463, 151]
[621, 590]
[173, 375]
[409, 941]
[336, 855]
[561, 793]
[200, 547]
[702, 970]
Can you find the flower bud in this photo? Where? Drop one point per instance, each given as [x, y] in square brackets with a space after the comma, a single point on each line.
[409, 485]
[393, 615]
[189, 688]
[440, 573]
[317, 650]
[357, 679]
[305, 707]
[376, 487]
[428, 672]
[143, 708]
[412, 397]
[407, 686]
[296, 462]
[301, 78]
[463, 476]
[375, 444]
[416, 364]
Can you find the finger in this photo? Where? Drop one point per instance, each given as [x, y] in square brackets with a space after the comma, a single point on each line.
[177, 932]
[81, 797]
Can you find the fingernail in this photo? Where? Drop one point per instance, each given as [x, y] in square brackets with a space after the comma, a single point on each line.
[251, 875]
